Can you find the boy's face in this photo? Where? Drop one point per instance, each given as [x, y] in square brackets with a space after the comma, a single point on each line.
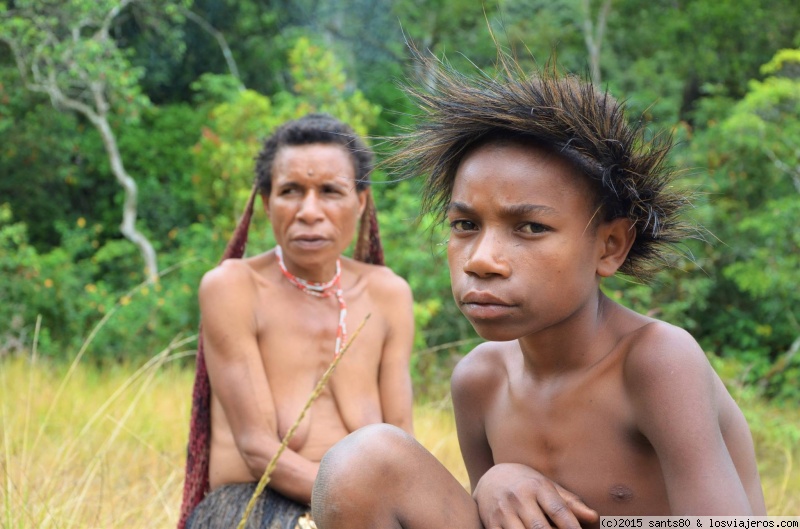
[523, 249]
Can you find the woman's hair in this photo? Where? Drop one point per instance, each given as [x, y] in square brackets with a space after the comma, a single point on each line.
[314, 128]
[562, 113]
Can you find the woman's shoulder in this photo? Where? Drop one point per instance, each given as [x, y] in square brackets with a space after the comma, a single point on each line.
[380, 280]
[233, 274]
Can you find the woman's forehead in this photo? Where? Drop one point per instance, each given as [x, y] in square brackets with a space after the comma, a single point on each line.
[316, 160]
[313, 153]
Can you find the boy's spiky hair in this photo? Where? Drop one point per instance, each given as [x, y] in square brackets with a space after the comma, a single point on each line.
[563, 113]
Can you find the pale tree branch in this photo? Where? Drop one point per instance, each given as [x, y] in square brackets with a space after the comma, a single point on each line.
[221, 41]
[793, 172]
[62, 102]
[112, 14]
[781, 363]
[593, 35]
[23, 71]
[129, 208]
[86, 94]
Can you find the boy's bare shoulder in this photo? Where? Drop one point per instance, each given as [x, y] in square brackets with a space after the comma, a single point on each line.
[662, 361]
[657, 346]
[484, 368]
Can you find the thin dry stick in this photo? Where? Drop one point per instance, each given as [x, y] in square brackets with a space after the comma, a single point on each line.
[262, 483]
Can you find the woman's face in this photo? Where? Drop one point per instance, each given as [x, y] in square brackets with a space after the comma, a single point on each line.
[314, 207]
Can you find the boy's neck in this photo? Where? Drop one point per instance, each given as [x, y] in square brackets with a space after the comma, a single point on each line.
[574, 345]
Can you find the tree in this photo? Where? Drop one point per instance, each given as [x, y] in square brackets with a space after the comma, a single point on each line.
[65, 50]
[753, 159]
[593, 33]
[674, 54]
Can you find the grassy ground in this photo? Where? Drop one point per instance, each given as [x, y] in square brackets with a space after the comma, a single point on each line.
[89, 449]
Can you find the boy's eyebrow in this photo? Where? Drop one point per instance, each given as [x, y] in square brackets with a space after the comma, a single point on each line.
[511, 210]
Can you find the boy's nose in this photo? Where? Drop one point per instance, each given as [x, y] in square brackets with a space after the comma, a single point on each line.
[486, 257]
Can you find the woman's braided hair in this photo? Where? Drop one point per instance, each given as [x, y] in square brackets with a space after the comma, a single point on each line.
[563, 113]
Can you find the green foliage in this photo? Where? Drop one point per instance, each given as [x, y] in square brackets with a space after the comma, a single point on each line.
[43, 162]
[753, 159]
[65, 48]
[678, 47]
[81, 283]
[158, 151]
[55, 169]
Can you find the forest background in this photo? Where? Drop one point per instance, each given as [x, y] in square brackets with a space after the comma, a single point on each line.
[128, 130]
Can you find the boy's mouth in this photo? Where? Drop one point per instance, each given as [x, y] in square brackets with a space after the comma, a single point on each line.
[483, 305]
[482, 298]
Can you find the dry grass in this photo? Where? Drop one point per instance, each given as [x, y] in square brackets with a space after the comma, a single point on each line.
[106, 449]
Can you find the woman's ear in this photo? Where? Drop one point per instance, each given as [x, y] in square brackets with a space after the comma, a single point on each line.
[615, 238]
[265, 202]
[362, 201]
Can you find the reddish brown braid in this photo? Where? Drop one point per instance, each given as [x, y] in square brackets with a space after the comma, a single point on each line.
[368, 246]
[368, 249]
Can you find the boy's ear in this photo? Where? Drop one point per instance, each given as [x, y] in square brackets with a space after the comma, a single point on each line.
[615, 238]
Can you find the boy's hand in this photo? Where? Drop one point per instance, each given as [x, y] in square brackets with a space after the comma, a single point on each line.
[514, 496]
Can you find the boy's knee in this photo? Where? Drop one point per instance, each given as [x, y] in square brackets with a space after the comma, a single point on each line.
[366, 462]
[365, 454]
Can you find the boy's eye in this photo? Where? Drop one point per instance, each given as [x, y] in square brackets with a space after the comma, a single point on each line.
[462, 225]
[533, 227]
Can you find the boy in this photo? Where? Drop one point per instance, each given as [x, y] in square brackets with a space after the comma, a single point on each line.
[575, 407]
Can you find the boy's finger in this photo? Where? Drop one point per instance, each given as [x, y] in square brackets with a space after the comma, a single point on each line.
[557, 510]
[581, 511]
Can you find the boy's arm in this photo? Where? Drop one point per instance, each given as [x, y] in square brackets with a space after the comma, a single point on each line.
[672, 388]
[507, 494]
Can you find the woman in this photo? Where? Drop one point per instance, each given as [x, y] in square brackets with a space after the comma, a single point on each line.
[272, 323]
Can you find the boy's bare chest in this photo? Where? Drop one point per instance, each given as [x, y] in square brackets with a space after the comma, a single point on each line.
[585, 440]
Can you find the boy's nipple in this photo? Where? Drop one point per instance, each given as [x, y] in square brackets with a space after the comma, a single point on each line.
[620, 493]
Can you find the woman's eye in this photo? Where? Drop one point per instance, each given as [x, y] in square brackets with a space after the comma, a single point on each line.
[462, 225]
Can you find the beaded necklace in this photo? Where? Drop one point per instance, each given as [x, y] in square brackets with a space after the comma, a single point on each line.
[322, 290]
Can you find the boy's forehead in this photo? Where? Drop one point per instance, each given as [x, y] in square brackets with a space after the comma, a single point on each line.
[505, 152]
[516, 170]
